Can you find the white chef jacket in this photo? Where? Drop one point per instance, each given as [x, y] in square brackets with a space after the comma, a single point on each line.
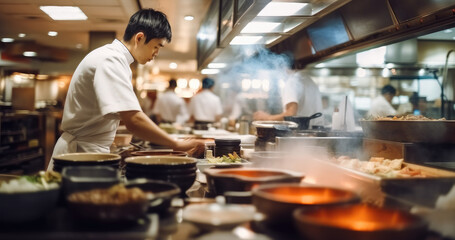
[380, 107]
[100, 88]
[171, 107]
[205, 106]
[301, 89]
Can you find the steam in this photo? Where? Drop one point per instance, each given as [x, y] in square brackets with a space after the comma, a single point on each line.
[257, 77]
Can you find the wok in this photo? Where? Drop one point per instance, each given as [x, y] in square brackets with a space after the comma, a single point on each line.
[304, 122]
[413, 131]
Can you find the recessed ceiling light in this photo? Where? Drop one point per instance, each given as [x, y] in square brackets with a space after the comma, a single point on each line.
[245, 40]
[52, 33]
[217, 65]
[64, 12]
[173, 65]
[209, 71]
[260, 27]
[282, 8]
[21, 35]
[7, 40]
[188, 18]
[29, 54]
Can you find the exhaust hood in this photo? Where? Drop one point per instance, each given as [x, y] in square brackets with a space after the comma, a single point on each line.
[229, 24]
[330, 29]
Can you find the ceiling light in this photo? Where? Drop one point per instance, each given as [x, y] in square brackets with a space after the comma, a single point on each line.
[21, 35]
[209, 71]
[173, 65]
[52, 33]
[260, 27]
[188, 18]
[79, 45]
[244, 40]
[64, 12]
[29, 54]
[217, 65]
[448, 30]
[194, 83]
[7, 40]
[282, 8]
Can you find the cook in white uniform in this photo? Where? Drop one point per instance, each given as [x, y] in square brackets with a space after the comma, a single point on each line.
[171, 108]
[101, 94]
[381, 106]
[300, 97]
[206, 106]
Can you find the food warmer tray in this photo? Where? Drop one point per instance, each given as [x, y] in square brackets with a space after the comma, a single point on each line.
[422, 191]
[413, 131]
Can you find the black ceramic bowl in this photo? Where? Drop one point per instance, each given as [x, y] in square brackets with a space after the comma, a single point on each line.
[178, 170]
[86, 159]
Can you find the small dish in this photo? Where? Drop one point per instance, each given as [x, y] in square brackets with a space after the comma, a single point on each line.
[216, 216]
[203, 164]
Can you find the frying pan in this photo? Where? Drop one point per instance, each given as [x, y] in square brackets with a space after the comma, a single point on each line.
[304, 122]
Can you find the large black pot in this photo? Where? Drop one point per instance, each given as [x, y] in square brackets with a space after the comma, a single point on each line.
[304, 122]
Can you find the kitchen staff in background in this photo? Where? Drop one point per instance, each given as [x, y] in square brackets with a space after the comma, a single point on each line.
[170, 108]
[205, 107]
[381, 106]
[101, 93]
[300, 97]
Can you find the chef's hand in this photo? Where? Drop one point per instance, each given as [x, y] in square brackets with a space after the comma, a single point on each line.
[194, 148]
[261, 115]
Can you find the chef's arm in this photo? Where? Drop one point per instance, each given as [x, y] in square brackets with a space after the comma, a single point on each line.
[290, 110]
[140, 125]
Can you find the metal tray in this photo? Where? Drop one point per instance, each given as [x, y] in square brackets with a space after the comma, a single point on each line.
[437, 131]
[422, 191]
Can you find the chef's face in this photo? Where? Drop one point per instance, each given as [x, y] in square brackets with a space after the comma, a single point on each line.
[146, 52]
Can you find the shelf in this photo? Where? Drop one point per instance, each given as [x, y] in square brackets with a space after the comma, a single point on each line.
[21, 160]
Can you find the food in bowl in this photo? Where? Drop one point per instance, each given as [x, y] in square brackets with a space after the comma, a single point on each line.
[28, 198]
[231, 158]
[32, 183]
[358, 221]
[114, 204]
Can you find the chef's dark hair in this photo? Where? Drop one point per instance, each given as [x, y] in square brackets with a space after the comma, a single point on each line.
[388, 89]
[153, 24]
[207, 83]
[172, 83]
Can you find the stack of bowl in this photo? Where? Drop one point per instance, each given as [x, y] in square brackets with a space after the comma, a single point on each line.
[86, 159]
[178, 170]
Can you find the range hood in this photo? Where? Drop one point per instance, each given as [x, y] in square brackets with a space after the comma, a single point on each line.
[340, 28]
[228, 19]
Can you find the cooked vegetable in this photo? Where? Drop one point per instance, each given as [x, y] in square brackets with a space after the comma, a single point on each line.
[30, 183]
[231, 158]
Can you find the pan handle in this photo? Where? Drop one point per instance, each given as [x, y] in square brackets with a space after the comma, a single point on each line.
[316, 115]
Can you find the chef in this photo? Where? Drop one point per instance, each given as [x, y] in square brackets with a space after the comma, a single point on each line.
[205, 107]
[300, 97]
[101, 93]
[170, 108]
[381, 106]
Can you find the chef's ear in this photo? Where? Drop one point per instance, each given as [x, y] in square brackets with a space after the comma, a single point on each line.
[140, 36]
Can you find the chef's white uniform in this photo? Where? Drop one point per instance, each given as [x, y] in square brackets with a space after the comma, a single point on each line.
[380, 107]
[301, 89]
[205, 106]
[100, 88]
[171, 107]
